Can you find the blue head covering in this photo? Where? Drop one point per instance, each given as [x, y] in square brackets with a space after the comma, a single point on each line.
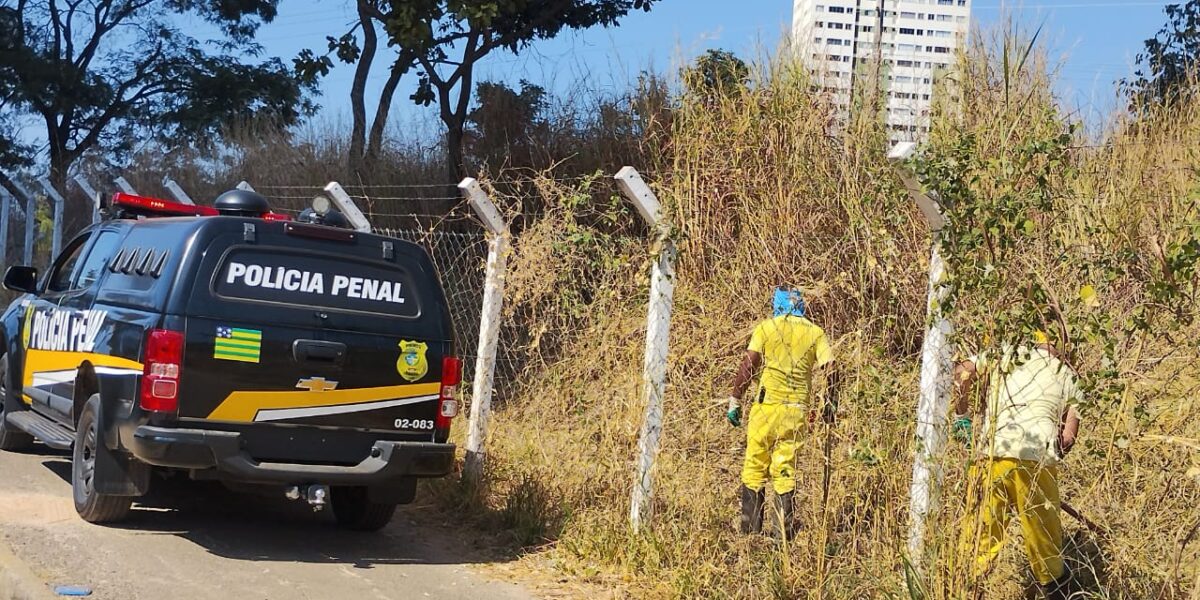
[788, 301]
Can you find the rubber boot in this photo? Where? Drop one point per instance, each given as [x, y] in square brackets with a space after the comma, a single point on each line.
[1059, 589]
[784, 514]
[752, 511]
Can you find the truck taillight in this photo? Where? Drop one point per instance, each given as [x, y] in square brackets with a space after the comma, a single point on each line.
[160, 373]
[448, 398]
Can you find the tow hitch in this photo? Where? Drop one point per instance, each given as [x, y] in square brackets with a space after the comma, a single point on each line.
[316, 495]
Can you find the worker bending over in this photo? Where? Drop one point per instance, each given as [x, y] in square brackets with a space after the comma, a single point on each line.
[1029, 395]
[788, 347]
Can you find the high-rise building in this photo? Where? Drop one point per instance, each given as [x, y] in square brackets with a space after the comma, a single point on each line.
[881, 50]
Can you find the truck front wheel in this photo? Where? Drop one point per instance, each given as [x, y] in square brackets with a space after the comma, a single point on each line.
[354, 510]
[11, 438]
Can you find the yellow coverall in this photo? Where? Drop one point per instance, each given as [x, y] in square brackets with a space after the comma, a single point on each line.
[1029, 392]
[791, 347]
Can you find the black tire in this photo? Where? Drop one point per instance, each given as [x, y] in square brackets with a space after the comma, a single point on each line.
[92, 506]
[353, 510]
[11, 438]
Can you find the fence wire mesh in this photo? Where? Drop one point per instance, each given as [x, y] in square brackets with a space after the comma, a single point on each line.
[460, 258]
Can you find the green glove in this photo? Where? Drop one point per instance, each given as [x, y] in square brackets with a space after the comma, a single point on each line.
[961, 429]
[734, 413]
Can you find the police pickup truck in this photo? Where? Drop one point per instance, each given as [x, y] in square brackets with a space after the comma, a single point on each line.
[232, 343]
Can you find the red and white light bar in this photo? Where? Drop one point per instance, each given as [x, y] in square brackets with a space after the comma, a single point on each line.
[161, 207]
[154, 206]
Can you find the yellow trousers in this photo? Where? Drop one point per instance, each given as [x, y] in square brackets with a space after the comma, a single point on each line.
[1030, 489]
[772, 437]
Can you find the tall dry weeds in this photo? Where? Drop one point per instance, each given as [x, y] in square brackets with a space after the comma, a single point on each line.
[761, 195]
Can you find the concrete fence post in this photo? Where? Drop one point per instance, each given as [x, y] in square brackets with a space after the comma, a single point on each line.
[346, 205]
[658, 328]
[176, 191]
[489, 327]
[92, 194]
[937, 350]
[124, 186]
[59, 205]
[6, 202]
[30, 223]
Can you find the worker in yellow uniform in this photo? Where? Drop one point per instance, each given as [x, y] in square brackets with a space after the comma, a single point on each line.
[789, 348]
[1029, 394]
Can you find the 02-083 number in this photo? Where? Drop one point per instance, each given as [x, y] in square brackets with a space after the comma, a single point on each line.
[414, 424]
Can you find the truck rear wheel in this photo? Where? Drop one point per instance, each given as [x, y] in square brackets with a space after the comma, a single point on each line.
[94, 507]
[353, 509]
[11, 438]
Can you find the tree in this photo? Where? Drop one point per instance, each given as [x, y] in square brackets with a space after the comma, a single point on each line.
[102, 74]
[716, 73]
[1168, 64]
[441, 41]
[503, 125]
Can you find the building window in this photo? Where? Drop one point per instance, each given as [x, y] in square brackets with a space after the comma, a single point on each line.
[941, 50]
[837, 9]
[907, 31]
[904, 63]
[908, 15]
[866, 28]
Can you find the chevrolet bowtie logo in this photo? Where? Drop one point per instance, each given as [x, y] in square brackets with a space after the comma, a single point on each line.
[316, 384]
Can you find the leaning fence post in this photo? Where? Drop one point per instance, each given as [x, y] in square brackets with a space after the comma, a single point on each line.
[658, 326]
[5, 203]
[177, 191]
[125, 186]
[937, 350]
[59, 204]
[489, 327]
[92, 195]
[349, 209]
[30, 221]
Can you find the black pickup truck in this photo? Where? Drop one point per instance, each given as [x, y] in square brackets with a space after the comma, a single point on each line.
[233, 345]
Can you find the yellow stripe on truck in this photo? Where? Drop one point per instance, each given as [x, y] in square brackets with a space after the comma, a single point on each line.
[242, 407]
[37, 361]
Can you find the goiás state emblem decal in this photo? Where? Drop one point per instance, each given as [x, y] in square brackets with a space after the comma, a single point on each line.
[412, 364]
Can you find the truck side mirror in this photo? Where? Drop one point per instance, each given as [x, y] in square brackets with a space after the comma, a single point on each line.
[21, 279]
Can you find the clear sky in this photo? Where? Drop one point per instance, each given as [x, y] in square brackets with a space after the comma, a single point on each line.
[1096, 40]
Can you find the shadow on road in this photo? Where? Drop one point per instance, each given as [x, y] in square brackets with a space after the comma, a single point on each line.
[260, 527]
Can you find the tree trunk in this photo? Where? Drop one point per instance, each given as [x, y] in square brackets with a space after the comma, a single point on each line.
[456, 167]
[375, 142]
[358, 88]
[77, 209]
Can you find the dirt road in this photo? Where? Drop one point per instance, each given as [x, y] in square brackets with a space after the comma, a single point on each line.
[201, 541]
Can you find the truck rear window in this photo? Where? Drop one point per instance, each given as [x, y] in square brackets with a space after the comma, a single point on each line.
[339, 283]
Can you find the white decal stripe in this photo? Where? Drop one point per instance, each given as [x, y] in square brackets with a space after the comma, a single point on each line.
[41, 378]
[117, 371]
[52, 377]
[279, 414]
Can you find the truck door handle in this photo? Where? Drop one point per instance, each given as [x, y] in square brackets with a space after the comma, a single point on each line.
[318, 351]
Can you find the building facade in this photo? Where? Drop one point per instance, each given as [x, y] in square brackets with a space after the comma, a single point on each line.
[881, 50]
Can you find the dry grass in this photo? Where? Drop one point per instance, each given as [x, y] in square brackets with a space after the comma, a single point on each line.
[762, 196]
